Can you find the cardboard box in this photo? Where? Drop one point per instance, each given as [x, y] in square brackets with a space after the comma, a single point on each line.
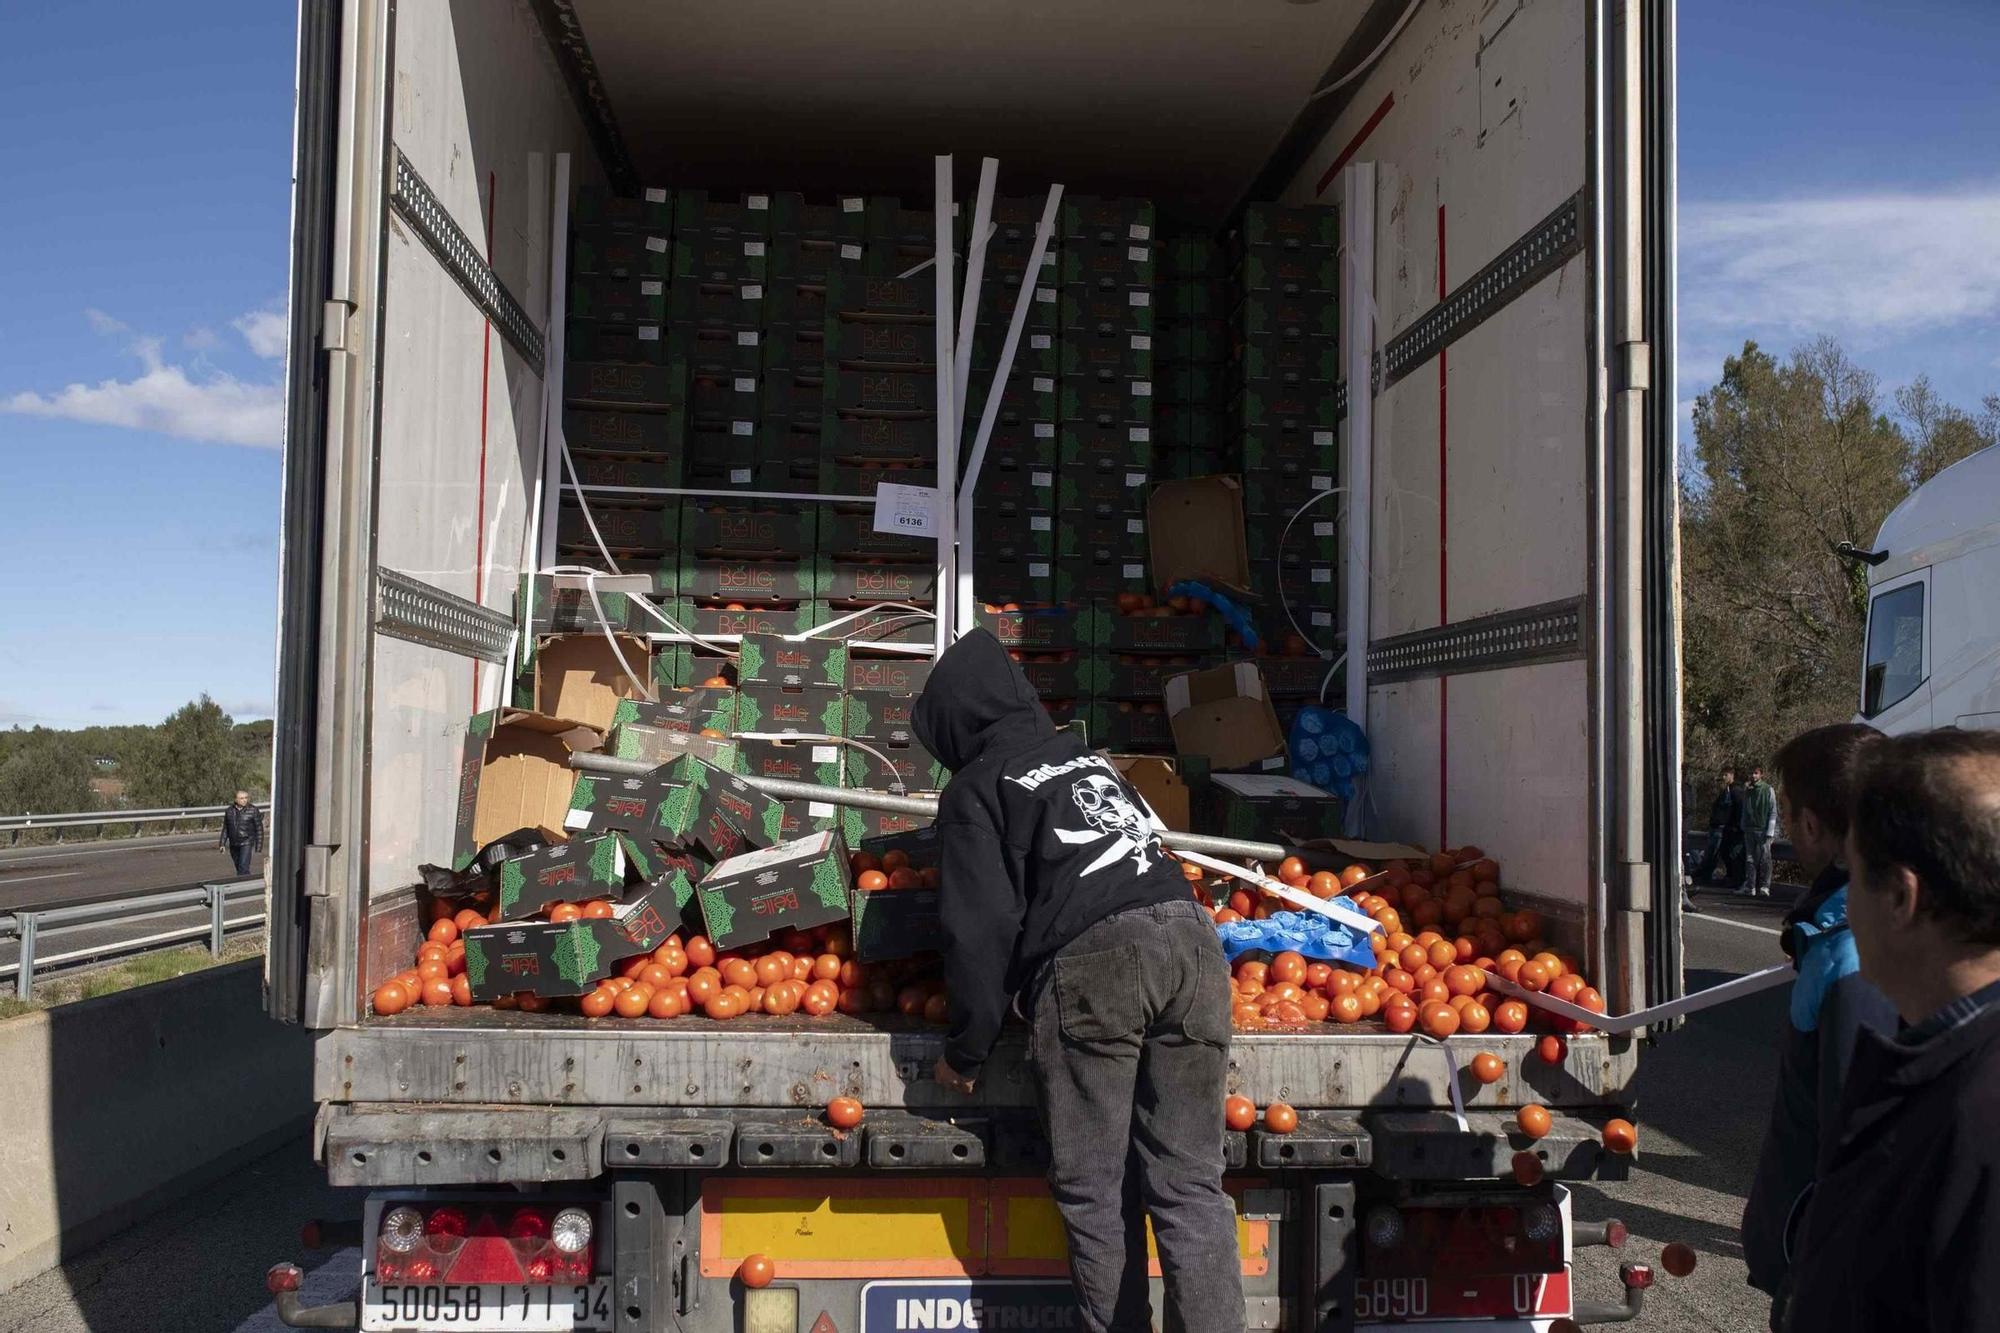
[1190, 257]
[908, 762]
[791, 886]
[1011, 481]
[862, 624]
[844, 218]
[882, 345]
[905, 392]
[1087, 578]
[1287, 224]
[1223, 715]
[1120, 356]
[847, 581]
[1194, 298]
[1088, 311]
[1313, 540]
[604, 252]
[796, 308]
[1126, 725]
[619, 300]
[1032, 584]
[747, 474]
[663, 745]
[899, 923]
[580, 677]
[1108, 266]
[1292, 270]
[721, 257]
[886, 674]
[1102, 493]
[1089, 536]
[1298, 407]
[1056, 675]
[654, 435]
[714, 812]
[1025, 537]
[769, 659]
[1107, 402]
[619, 384]
[1266, 807]
[736, 306]
[881, 715]
[1196, 532]
[543, 958]
[651, 528]
[594, 865]
[1158, 779]
[1269, 448]
[710, 708]
[713, 617]
[797, 397]
[1142, 679]
[820, 762]
[746, 580]
[1180, 426]
[619, 470]
[913, 298]
[847, 532]
[629, 803]
[651, 209]
[1283, 486]
[817, 710]
[561, 604]
[1105, 219]
[1044, 628]
[514, 774]
[1104, 628]
[726, 396]
[846, 436]
[698, 212]
[745, 529]
[1305, 315]
[600, 342]
[721, 351]
[861, 476]
[1106, 447]
[856, 825]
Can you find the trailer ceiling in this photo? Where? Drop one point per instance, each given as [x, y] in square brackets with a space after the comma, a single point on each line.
[1179, 99]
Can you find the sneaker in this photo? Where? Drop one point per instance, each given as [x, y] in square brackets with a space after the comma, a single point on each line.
[1743, 893]
[1763, 893]
[1687, 905]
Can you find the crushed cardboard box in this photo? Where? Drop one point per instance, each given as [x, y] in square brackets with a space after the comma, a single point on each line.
[1224, 715]
[515, 774]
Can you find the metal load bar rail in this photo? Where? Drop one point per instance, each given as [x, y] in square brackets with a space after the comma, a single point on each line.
[923, 806]
[30, 928]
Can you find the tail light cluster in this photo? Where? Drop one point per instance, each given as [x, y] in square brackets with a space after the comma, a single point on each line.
[1524, 1237]
[465, 1242]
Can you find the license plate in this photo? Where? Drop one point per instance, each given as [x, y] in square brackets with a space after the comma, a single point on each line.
[394, 1306]
[1398, 1300]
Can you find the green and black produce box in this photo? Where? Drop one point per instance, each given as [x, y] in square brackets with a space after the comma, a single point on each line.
[899, 923]
[1265, 807]
[600, 865]
[791, 886]
[545, 958]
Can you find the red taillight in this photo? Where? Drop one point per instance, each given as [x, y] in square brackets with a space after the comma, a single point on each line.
[1638, 1277]
[466, 1243]
[283, 1278]
[1470, 1241]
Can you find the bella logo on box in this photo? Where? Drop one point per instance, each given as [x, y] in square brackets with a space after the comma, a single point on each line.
[747, 578]
[556, 875]
[889, 390]
[624, 379]
[880, 578]
[615, 430]
[625, 807]
[889, 340]
[890, 294]
[644, 924]
[738, 526]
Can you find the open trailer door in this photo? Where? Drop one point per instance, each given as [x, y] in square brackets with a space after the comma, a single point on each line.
[1506, 170]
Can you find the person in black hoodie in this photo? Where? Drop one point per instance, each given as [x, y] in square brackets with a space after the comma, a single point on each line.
[1831, 1003]
[1903, 1227]
[1056, 895]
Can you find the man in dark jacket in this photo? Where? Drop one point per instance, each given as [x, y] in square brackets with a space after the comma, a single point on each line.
[1759, 822]
[1725, 833]
[1056, 894]
[242, 832]
[1831, 1003]
[1903, 1228]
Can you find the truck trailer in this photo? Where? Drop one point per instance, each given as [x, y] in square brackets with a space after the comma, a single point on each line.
[1501, 177]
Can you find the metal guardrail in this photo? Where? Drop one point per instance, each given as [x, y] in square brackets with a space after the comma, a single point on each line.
[28, 927]
[92, 818]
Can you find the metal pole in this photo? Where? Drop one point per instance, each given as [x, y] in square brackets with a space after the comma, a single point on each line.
[214, 892]
[24, 979]
[924, 807]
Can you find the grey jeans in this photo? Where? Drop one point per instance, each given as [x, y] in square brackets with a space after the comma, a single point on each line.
[1757, 861]
[1130, 1049]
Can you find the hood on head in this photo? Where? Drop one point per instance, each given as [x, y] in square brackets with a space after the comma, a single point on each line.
[977, 699]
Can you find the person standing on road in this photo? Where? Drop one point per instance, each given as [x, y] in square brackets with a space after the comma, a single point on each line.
[1725, 832]
[242, 832]
[1759, 822]
[1830, 1002]
[1056, 892]
[1903, 1227]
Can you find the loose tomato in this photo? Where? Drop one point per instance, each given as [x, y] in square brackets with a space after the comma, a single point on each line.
[1620, 1136]
[1239, 1113]
[1488, 1067]
[391, 998]
[844, 1112]
[1280, 1118]
[1534, 1120]
[756, 1271]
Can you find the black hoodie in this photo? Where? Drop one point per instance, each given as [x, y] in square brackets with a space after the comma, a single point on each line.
[1042, 838]
[1903, 1228]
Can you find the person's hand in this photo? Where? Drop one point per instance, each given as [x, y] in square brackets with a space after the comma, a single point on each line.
[951, 1078]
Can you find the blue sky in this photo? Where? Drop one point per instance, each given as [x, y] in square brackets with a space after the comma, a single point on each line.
[1837, 174]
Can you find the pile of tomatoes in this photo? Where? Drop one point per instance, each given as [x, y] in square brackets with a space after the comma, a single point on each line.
[891, 870]
[1430, 980]
[437, 977]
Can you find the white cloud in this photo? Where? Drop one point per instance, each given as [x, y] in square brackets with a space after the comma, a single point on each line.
[1868, 267]
[219, 409]
[102, 323]
[265, 330]
[201, 339]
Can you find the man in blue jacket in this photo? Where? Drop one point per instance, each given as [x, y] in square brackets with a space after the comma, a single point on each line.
[1831, 1003]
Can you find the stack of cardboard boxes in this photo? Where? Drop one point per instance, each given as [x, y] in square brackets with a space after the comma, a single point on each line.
[1190, 430]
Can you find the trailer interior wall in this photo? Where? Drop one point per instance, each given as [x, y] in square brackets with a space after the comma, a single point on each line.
[479, 110]
[1476, 122]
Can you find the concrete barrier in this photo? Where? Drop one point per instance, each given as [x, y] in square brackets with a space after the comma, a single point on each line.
[112, 1107]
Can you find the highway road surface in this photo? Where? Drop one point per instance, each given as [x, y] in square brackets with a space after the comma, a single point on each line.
[81, 872]
[1703, 1097]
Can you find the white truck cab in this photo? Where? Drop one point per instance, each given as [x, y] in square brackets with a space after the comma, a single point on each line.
[1931, 657]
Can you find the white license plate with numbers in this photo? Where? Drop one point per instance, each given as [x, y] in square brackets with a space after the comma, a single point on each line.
[391, 1307]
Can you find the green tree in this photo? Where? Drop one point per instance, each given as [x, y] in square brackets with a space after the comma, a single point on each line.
[1790, 459]
[191, 759]
[45, 772]
[1941, 433]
